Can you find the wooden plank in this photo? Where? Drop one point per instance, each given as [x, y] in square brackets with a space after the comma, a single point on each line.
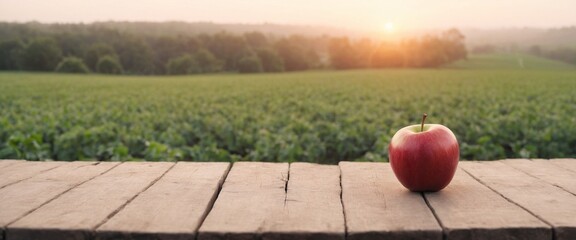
[75, 214]
[21, 198]
[9, 162]
[377, 206]
[172, 208]
[547, 172]
[312, 208]
[470, 210]
[251, 195]
[20, 171]
[566, 163]
[551, 204]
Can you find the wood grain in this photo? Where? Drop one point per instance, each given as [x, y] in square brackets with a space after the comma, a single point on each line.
[19, 199]
[470, 210]
[377, 206]
[17, 172]
[9, 162]
[172, 208]
[251, 195]
[312, 208]
[75, 214]
[551, 204]
[547, 172]
[566, 163]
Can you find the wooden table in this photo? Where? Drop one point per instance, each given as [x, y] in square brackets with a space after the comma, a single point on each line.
[509, 199]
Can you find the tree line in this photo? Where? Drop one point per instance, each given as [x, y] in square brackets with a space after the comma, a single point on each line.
[83, 48]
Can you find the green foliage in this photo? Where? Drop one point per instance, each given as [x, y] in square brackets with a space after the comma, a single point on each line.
[313, 116]
[109, 65]
[41, 54]
[72, 65]
[207, 62]
[10, 50]
[185, 64]
[271, 61]
[95, 52]
[249, 64]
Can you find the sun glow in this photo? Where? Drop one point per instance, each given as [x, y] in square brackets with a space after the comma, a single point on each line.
[389, 27]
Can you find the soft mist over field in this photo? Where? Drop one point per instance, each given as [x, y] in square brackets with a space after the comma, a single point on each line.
[317, 81]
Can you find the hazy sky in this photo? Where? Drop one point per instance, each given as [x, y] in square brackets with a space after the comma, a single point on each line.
[353, 14]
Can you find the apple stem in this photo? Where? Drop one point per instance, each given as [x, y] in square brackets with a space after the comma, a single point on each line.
[423, 119]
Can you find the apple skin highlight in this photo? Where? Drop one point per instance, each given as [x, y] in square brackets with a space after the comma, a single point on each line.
[424, 161]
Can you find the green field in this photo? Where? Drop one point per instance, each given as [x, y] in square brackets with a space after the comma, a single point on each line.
[510, 61]
[310, 116]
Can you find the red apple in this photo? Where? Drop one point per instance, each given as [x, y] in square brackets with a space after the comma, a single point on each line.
[424, 157]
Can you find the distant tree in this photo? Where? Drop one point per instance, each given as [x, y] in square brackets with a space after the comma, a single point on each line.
[10, 51]
[342, 54]
[226, 47]
[109, 65]
[72, 44]
[294, 54]
[207, 62]
[388, 55]
[454, 46]
[72, 65]
[165, 48]
[135, 55]
[536, 50]
[249, 64]
[271, 61]
[485, 48]
[256, 39]
[182, 65]
[95, 52]
[41, 54]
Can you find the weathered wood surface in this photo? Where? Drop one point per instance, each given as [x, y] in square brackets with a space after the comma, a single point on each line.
[376, 206]
[566, 163]
[252, 195]
[551, 204]
[511, 199]
[470, 210]
[172, 208]
[312, 206]
[550, 173]
[21, 198]
[75, 214]
[15, 172]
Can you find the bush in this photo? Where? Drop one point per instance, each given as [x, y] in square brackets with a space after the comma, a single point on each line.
[207, 62]
[185, 64]
[95, 52]
[109, 65]
[249, 64]
[72, 65]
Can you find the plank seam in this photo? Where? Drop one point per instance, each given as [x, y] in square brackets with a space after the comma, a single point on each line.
[286, 185]
[534, 176]
[111, 215]
[444, 233]
[43, 171]
[62, 193]
[510, 200]
[212, 201]
[342, 203]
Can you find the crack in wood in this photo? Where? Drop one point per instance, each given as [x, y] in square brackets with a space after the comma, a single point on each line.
[444, 233]
[212, 201]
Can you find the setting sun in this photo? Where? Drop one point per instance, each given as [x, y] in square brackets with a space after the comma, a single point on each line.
[389, 27]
